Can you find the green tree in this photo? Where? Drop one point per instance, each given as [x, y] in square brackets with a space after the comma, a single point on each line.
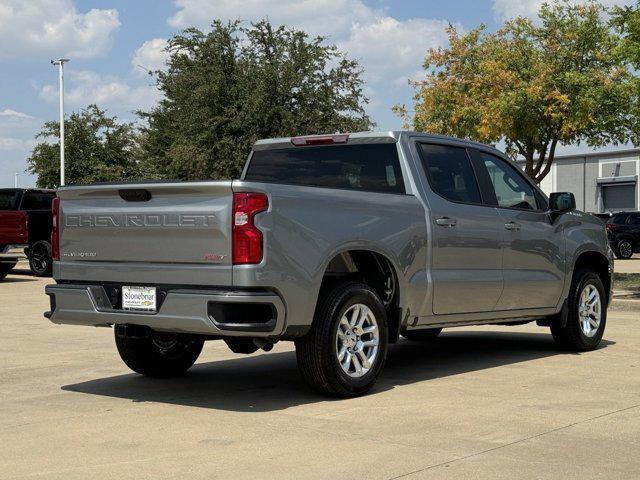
[98, 148]
[627, 22]
[533, 85]
[225, 89]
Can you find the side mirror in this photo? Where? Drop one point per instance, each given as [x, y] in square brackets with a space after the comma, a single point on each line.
[561, 202]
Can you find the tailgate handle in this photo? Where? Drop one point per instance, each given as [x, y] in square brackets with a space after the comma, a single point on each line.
[135, 195]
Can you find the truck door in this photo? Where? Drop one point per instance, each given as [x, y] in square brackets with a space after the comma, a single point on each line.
[533, 247]
[466, 263]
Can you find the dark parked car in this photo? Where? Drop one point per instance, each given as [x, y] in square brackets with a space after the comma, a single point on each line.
[623, 230]
[25, 229]
[605, 217]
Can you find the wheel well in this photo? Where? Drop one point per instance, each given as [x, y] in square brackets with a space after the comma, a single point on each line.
[375, 270]
[599, 264]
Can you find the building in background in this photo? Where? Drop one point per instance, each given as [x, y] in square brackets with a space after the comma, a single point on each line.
[601, 182]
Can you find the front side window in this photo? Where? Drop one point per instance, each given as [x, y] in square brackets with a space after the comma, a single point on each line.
[512, 190]
[365, 167]
[450, 173]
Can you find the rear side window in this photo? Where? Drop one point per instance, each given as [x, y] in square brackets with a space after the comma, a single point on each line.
[9, 199]
[37, 201]
[634, 219]
[372, 168]
[450, 173]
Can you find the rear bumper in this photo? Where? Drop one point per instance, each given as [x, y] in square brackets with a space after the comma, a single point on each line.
[205, 312]
[12, 253]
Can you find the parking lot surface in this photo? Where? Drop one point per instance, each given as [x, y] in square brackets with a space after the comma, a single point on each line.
[482, 403]
[628, 266]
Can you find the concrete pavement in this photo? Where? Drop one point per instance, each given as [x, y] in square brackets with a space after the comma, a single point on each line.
[628, 266]
[482, 403]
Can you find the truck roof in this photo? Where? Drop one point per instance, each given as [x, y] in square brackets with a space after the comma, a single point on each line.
[37, 190]
[388, 136]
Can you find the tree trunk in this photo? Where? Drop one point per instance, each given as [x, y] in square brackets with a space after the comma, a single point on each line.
[543, 166]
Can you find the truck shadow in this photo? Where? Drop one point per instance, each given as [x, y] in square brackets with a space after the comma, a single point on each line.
[18, 275]
[271, 381]
[12, 279]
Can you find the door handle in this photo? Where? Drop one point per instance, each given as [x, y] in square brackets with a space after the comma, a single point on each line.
[446, 222]
[512, 226]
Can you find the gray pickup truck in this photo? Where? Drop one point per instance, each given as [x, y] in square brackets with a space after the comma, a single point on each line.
[340, 243]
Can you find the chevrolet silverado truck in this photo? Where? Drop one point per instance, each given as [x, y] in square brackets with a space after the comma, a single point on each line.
[25, 229]
[339, 243]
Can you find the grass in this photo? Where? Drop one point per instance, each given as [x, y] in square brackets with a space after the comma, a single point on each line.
[626, 281]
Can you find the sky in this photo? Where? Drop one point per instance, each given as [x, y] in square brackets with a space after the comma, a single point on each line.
[111, 43]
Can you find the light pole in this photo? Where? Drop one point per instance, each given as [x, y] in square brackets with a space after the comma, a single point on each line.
[15, 180]
[60, 62]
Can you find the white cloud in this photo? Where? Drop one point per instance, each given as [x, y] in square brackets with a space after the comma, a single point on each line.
[390, 50]
[9, 144]
[7, 112]
[505, 9]
[16, 125]
[51, 28]
[317, 17]
[107, 91]
[150, 56]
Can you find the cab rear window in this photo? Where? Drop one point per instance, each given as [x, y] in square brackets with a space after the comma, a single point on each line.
[9, 199]
[368, 167]
[37, 201]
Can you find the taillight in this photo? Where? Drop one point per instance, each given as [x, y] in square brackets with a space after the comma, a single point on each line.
[609, 227]
[55, 241]
[247, 238]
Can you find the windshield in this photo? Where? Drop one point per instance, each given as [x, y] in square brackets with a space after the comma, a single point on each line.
[9, 199]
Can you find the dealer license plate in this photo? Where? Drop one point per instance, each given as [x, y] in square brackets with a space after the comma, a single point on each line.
[139, 298]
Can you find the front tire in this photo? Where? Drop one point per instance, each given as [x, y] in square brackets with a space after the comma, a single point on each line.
[587, 314]
[624, 249]
[159, 355]
[40, 260]
[346, 348]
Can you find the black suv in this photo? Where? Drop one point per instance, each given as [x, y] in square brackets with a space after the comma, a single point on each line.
[623, 230]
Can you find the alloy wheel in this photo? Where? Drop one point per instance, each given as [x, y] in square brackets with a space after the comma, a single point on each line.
[625, 249]
[590, 310]
[357, 340]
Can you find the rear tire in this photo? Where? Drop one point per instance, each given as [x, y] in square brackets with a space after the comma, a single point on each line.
[5, 269]
[346, 348]
[159, 355]
[624, 249]
[587, 314]
[40, 260]
[426, 335]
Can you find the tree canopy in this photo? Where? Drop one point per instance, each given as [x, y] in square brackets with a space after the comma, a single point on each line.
[227, 88]
[533, 85]
[627, 22]
[98, 148]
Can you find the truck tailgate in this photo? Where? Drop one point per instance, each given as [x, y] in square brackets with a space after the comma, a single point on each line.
[13, 228]
[122, 233]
